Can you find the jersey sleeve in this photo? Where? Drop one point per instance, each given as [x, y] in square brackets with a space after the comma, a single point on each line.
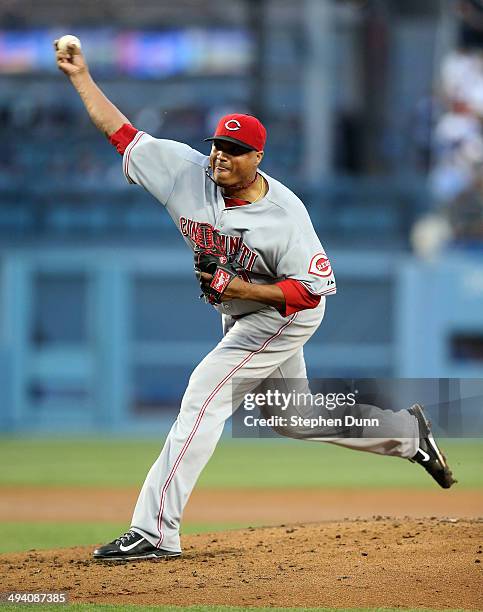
[296, 297]
[123, 137]
[155, 163]
[307, 262]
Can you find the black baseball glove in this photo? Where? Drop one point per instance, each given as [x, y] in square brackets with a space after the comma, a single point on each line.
[210, 257]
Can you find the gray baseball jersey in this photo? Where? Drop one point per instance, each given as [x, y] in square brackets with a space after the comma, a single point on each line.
[272, 239]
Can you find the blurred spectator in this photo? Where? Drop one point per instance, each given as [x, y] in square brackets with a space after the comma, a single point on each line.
[456, 180]
[458, 141]
[462, 78]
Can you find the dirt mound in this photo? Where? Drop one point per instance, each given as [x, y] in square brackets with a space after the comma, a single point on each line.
[410, 563]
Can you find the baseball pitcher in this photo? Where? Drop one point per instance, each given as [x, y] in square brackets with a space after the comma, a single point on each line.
[262, 266]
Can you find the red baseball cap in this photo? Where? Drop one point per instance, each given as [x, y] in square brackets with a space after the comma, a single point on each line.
[244, 130]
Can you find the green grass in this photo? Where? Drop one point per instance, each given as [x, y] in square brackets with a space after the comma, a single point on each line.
[240, 463]
[130, 608]
[20, 536]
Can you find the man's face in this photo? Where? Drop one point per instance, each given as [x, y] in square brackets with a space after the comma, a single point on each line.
[232, 164]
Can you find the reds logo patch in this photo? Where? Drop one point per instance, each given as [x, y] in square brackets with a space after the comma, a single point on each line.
[233, 125]
[320, 265]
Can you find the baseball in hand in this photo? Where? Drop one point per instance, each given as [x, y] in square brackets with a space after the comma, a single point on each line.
[68, 39]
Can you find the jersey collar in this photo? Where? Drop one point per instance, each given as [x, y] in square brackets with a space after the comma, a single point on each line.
[233, 202]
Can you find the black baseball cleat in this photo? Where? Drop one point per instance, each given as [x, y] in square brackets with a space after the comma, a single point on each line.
[131, 546]
[429, 454]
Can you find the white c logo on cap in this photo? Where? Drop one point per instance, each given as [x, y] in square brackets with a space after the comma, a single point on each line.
[230, 127]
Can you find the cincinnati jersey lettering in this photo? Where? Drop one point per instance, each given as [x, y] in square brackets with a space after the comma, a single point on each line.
[233, 246]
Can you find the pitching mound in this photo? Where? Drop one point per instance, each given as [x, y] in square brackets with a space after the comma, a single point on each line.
[374, 563]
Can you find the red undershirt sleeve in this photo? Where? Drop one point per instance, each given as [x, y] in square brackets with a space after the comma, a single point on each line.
[296, 297]
[123, 137]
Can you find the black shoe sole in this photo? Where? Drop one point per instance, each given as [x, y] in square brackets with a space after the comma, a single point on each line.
[152, 555]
